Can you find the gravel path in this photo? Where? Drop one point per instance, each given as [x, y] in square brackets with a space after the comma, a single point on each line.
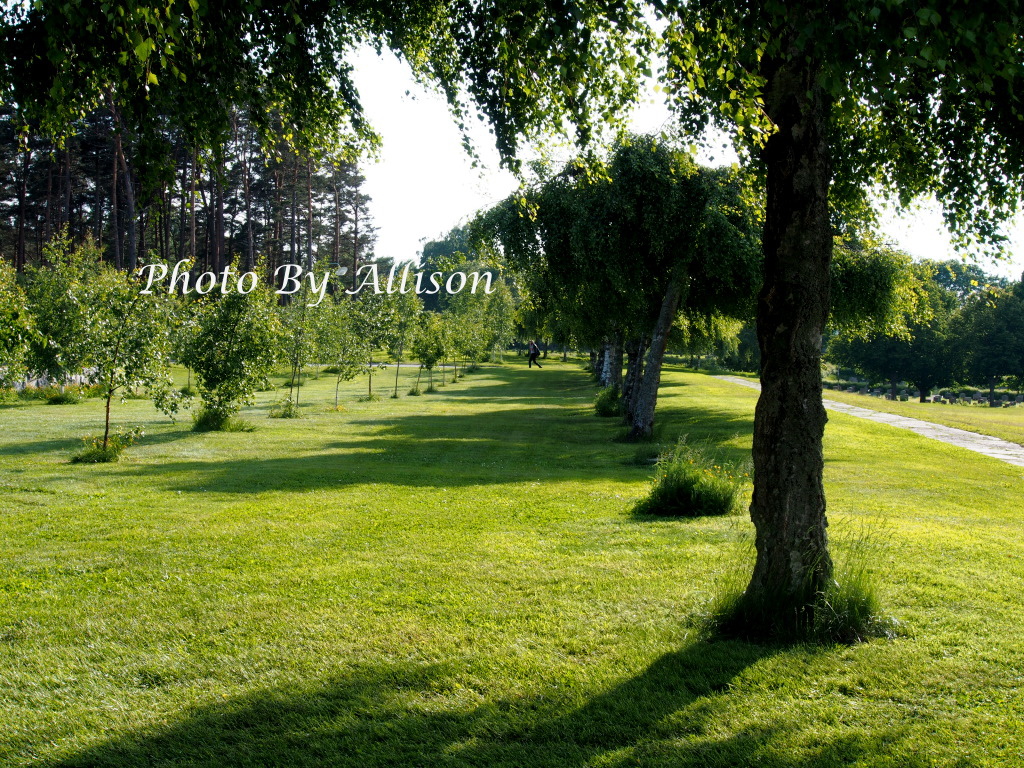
[1003, 450]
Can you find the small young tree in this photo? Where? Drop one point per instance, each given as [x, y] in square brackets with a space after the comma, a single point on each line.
[469, 339]
[233, 352]
[374, 318]
[299, 339]
[407, 309]
[127, 338]
[428, 344]
[16, 327]
[58, 302]
[499, 320]
[339, 342]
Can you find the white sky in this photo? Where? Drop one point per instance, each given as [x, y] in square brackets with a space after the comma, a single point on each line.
[425, 184]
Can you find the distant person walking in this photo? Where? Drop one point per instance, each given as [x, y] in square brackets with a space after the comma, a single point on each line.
[534, 354]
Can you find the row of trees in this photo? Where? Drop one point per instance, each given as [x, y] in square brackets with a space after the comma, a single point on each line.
[610, 253]
[649, 251]
[79, 316]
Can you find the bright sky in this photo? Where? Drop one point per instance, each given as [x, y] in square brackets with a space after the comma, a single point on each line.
[425, 184]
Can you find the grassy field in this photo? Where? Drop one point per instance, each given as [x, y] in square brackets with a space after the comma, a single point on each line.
[457, 580]
[1007, 423]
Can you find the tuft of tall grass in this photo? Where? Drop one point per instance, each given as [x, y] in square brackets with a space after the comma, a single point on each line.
[117, 442]
[609, 402]
[847, 610]
[691, 481]
[210, 420]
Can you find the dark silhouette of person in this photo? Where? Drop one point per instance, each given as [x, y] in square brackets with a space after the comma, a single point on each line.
[534, 351]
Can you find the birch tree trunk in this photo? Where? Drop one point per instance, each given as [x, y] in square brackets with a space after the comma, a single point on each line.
[646, 398]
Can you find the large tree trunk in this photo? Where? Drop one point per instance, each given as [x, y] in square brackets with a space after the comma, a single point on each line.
[788, 506]
[336, 256]
[355, 248]
[309, 214]
[646, 397]
[192, 209]
[219, 258]
[250, 241]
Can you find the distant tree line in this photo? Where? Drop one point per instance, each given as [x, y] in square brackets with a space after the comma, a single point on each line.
[961, 327]
[968, 330]
[227, 203]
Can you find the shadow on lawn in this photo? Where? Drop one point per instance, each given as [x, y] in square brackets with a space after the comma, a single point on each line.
[74, 444]
[680, 711]
[443, 450]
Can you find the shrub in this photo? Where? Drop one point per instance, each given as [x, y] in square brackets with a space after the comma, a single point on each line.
[691, 482]
[70, 396]
[609, 402]
[208, 419]
[370, 399]
[415, 392]
[95, 453]
[285, 409]
[38, 393]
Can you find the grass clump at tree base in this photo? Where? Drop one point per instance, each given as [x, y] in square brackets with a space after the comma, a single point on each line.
[848, 610]
[96, 453]
[213, 420]
[691, 482]
[285, 409]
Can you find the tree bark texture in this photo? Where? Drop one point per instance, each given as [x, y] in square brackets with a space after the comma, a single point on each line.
[788, 505]
[646, 397]
[611, 371]
[635, 349]
[131, 245]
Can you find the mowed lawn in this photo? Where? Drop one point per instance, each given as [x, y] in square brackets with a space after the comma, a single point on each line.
[1006, 423]
[457, 579]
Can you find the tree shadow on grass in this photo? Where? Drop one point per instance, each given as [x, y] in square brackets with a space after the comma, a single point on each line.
[445, 450]
[72, 445]
[680, 711]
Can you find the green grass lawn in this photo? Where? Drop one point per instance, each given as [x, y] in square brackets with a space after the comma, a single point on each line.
[457, 579]
[1007, 423]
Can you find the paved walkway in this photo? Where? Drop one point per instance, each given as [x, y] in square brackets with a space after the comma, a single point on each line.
[1003, 450]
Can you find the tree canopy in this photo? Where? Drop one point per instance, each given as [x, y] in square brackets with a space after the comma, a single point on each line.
[921, 98]
[523, 67]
